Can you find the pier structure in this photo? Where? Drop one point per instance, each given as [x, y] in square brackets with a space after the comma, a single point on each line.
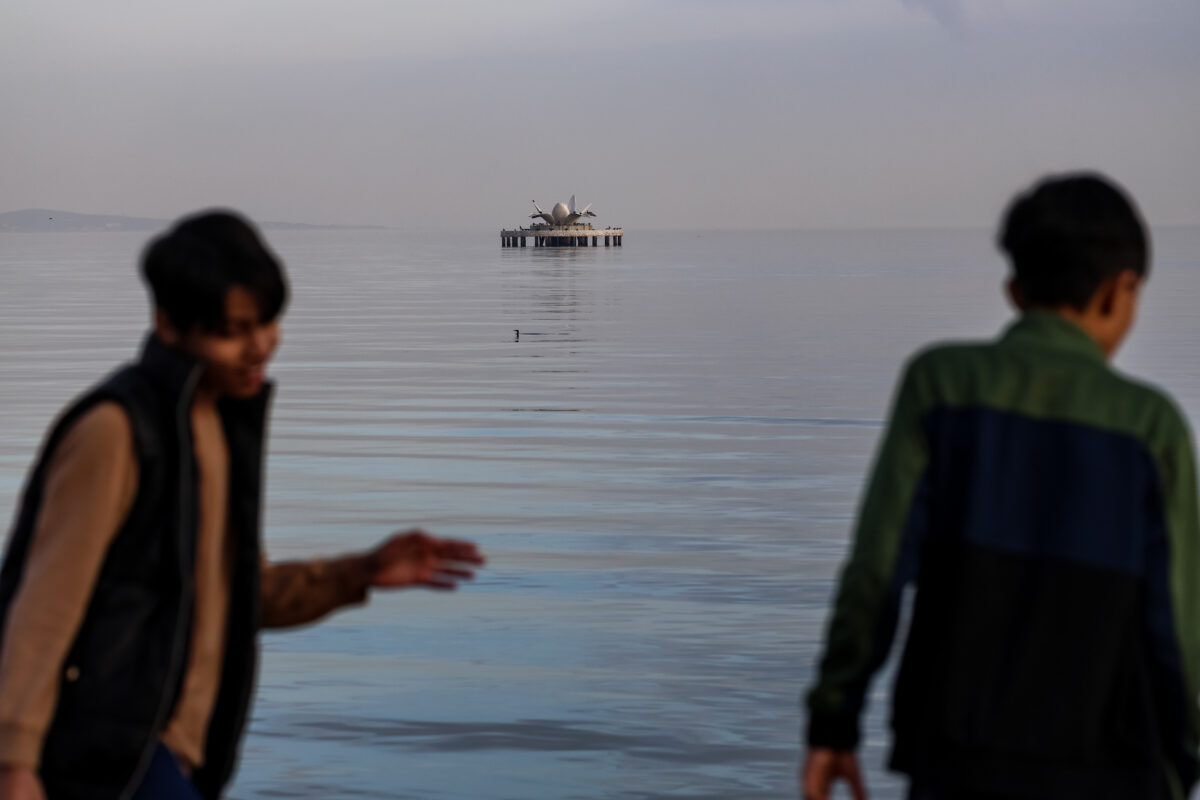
[561, 236]
[560, 227]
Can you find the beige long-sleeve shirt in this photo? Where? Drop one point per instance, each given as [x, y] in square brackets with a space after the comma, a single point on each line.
[91, 484]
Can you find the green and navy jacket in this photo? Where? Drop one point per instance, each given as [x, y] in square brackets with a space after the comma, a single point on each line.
[1044, 507]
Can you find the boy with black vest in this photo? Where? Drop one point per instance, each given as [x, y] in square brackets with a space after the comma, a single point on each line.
[1045, 508]
[134, 586]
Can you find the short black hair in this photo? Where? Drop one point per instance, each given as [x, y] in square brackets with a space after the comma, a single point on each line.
[1068, 234]
[191, 268]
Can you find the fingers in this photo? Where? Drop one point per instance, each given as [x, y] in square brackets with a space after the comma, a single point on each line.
[448, 549]
[407, 540]
[858, 788]
[414, 558]
[817, 775]
[439, 584]
[816, 790]
[824, 767]
[447, 576]
[458, 550]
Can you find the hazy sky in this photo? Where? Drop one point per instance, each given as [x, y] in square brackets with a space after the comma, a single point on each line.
[663, 113]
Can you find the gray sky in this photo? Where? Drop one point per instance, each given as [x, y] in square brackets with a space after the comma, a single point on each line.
[663, 113]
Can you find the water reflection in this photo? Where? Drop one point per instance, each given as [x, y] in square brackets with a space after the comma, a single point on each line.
[547, 295]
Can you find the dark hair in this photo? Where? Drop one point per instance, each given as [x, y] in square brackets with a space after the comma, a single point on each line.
[191, 268]
[1068, 234]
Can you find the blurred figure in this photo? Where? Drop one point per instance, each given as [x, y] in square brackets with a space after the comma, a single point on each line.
[134, 584]
[1045, 508]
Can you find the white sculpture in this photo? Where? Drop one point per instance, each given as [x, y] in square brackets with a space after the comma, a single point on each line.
[562, 213]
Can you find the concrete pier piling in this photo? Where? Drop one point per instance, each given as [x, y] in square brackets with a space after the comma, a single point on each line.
[562, 236]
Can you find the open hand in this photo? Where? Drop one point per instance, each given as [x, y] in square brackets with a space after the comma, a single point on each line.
[417, 559]
[823, 767]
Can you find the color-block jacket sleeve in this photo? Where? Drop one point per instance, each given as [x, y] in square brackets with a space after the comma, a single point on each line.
[883, 559]
[1177, 474]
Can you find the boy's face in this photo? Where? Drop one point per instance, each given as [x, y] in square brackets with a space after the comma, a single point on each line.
[235, 355]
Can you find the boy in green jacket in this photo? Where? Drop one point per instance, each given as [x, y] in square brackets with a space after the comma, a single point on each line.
[1044, 506]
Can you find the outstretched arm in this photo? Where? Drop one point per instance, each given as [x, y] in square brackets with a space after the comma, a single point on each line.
[297, 592]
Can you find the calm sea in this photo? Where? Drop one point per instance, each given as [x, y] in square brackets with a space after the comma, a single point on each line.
[662, 467]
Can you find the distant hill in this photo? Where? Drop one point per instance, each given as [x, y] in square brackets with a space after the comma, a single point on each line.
[45, 219]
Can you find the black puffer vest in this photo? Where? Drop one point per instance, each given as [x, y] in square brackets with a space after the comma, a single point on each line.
[125, 669]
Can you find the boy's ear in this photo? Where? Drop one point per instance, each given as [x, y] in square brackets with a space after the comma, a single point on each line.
[164, 330]
[1015, 295]
[1105, 298]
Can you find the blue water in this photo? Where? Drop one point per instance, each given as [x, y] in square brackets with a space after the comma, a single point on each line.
[662, 468]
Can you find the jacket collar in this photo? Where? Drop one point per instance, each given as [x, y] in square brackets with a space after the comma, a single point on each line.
[175, 373]
[1050, 330]
[171, 370]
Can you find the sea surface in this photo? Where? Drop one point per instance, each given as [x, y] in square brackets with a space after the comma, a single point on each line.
[662, 467]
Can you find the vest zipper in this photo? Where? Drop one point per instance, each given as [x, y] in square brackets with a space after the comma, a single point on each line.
[183, 423]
